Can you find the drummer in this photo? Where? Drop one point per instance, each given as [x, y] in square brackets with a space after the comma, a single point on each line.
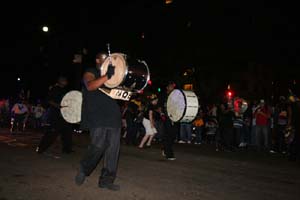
[101, 115]
[58, 125]
[171, 128]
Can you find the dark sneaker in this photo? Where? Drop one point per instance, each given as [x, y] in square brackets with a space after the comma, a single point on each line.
[80, 178]
[110, 186]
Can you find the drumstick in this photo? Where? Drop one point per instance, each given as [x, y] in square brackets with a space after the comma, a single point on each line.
[109, 55]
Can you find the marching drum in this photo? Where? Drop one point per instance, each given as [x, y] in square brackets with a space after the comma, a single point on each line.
[130, 75]
[71, 106]
[182, 106]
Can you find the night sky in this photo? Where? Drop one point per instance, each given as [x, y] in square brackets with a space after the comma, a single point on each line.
[224, 41]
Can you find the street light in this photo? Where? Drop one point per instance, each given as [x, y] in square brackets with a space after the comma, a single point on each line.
[18, 79]
[45, 29]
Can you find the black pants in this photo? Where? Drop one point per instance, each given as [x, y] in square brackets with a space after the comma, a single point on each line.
[58, 127]
[227, 137]
[169, 136]
[280, 144]
[131, 133]
[105, 142]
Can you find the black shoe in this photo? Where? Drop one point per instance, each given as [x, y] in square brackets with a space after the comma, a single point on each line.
[80, 178]
[110, 186]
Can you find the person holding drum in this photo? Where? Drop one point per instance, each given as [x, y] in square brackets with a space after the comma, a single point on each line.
[171, 128]
[149, 123]
[57, 124]
[101, 115]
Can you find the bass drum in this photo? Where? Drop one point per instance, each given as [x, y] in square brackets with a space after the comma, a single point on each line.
[182, 106]
[131, 75]
[71, 106]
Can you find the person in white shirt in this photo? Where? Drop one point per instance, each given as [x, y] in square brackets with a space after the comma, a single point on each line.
[38, 112]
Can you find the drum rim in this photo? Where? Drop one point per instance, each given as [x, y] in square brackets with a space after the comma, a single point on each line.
[126, 73]
[148, 72]
[185, 108]
[198, 107]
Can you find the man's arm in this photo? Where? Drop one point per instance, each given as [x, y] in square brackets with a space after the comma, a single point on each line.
[91, 83]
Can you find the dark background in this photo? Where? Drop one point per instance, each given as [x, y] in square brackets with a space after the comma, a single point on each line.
[253, 46]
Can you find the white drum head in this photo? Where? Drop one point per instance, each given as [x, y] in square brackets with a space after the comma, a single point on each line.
[71, 106]
[118, 60]
[176, 104]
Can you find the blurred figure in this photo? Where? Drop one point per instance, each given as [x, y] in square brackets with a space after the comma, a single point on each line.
[280, 124]
[213, 110]
[159, 118]
[4, 112]
[226, 127]
[58, 126]
[254, 107]
[171, 128]
[19, 113]
[149, 123]
[262, 116]
[131, 123]
[198, 124]
[293, 127]
[38, 112]
[211, 126]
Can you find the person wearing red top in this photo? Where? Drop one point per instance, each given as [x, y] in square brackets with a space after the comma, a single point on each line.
[262, 116]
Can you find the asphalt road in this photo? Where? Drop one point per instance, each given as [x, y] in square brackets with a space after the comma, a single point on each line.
[198, 173]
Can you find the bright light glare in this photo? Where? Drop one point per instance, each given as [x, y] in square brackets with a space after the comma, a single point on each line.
[45, 29]
[168, 1]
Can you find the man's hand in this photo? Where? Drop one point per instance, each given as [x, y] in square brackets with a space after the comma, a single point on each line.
[110, 71]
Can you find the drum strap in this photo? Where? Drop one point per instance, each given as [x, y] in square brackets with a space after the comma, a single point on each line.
[116, 94]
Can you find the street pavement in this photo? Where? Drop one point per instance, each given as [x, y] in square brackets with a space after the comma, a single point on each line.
[198, 173]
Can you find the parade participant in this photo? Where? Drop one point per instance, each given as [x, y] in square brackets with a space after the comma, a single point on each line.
[38, 112]
[171, 128]
[280, 123]
[101, 115]
[262, 116]
[58, 126]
